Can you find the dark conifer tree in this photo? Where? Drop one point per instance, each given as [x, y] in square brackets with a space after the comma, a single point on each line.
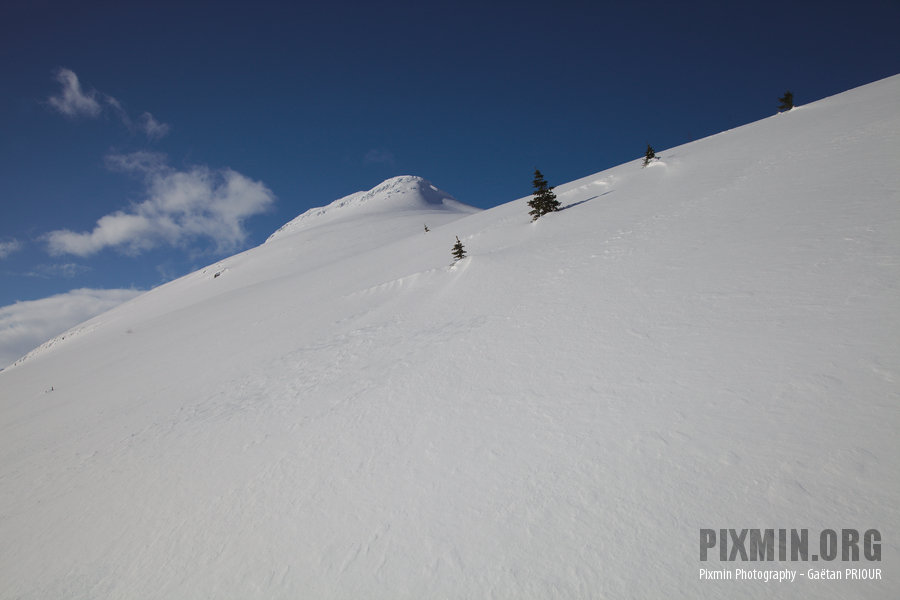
[787, 101]
[459, 251]
[544, 200]
[650, 155]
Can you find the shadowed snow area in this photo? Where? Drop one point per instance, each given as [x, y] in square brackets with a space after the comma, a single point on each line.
[710, 342]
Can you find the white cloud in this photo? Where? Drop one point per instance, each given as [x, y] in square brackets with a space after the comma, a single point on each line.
[72, 101]
[181, 207]
[26, 325]
[153, 128]
[119, 110]
[7, 248]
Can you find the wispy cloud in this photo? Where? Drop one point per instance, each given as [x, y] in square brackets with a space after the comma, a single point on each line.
[73, 101]
[181, 208]
[142, 162]
[65, 270]
[7, 248]
[378, 156]
[151, 127]
[26, 325]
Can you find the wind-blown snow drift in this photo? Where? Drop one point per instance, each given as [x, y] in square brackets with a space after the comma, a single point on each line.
[710, 342]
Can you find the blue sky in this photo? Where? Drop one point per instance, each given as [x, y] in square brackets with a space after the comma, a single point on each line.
[141, 142]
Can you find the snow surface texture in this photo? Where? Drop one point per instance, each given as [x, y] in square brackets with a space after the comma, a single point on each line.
[710, 342]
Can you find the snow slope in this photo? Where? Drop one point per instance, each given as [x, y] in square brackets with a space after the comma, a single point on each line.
[710, 342]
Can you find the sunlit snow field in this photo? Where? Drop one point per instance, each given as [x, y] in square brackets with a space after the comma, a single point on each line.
[712, 341]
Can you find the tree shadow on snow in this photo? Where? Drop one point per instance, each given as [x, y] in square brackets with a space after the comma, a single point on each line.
[587, 200]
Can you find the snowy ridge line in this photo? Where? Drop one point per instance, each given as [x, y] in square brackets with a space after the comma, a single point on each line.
[50, 343]
[213, 271]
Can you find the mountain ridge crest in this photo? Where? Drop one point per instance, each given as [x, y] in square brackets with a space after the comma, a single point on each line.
[401, 193]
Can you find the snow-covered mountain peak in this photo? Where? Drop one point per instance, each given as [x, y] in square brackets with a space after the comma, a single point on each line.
[403, 193]
[406, 186]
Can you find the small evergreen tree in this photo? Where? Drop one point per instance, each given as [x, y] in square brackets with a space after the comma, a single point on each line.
[544, 200]
[650, 155]
[459, 251]
[787, 101]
